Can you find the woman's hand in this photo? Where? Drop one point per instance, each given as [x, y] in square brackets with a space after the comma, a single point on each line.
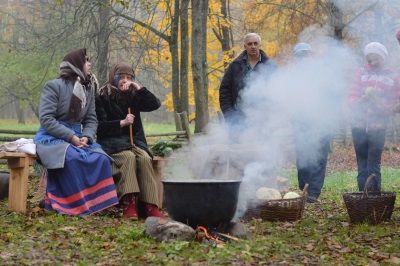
[137, 85]
[131, 86]
[75, 141]
[127, 121]
[84, 141]
[79, 142]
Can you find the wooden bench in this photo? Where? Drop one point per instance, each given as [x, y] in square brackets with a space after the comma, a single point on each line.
[19, 164]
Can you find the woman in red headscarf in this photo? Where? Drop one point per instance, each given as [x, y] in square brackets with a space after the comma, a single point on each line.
[79, 180]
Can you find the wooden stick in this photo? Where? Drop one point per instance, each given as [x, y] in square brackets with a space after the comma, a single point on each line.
[130, 128]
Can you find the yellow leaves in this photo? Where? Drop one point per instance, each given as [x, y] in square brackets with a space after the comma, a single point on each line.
[158, 55]
[164, 5]
[165, 55]
[192, 116]
[216, 18]
[168, 102]
[214, 7]
[213, 100]
[227, 57]
[271, 48]
[279, 20]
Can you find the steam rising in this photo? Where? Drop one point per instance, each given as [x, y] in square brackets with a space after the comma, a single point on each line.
[256, 149]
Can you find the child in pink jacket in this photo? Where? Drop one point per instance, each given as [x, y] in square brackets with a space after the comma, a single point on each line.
[372, 100]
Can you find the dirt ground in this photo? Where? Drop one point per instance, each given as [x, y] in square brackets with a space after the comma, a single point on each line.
[344, 158]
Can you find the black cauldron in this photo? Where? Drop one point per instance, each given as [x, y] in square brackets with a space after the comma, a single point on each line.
[201, 202]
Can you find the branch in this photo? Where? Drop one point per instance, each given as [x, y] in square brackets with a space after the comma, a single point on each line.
[217, 35]
[144, 25]
[6, 103]
[46, 71]
[361, 12]
[293, 9]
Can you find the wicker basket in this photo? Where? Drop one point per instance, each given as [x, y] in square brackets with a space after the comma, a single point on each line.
[371, 207]
[278, 210]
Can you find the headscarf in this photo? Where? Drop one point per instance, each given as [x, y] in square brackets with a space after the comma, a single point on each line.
[111, 87]
[73, 63]
[71, 68]
[117, 70]
[376, 48]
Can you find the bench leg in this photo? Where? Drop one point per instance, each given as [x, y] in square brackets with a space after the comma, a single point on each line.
[18, 188]
[158, 166]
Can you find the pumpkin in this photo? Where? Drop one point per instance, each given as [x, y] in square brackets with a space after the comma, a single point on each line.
[265, 193]
[291, 195]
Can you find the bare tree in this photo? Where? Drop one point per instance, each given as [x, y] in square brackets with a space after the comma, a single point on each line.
[172, 41]
[199, 62]
[223, 31]
[103, 36]
[184, 66]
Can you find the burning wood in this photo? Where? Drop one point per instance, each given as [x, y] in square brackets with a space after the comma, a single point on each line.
[213, 236]
[202, 234]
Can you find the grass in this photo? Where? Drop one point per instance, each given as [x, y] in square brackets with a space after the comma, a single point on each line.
[13, 124]
[34, 125]
[149, 128]
[323, 236]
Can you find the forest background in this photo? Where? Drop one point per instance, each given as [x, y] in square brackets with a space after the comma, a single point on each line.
[178, 48]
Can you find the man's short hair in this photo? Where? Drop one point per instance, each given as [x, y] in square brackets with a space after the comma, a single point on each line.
[249, 35]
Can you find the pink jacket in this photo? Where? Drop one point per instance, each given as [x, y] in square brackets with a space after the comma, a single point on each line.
[373, 97]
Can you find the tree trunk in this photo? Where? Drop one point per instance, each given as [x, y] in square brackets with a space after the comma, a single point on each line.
[173, 47]
[184, 92]
[226, 41]
[199, 62]
[335, 20]
[226, 36]
[224, 33]
[102, 42]
[20, 112]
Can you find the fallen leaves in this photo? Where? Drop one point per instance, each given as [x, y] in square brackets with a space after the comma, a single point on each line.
[394, 260]
[343, 158]
[322, 237]
[310, 247]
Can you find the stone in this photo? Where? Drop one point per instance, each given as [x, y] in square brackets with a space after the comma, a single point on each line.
[4, 182]
[236, 229]
[166, 229]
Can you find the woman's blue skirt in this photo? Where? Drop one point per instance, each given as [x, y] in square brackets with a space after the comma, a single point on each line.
[84, 186]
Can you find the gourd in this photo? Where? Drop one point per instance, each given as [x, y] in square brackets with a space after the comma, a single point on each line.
[291, 195]
[265, 193]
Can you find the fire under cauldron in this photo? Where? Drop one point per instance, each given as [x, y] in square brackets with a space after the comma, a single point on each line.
[201, 202]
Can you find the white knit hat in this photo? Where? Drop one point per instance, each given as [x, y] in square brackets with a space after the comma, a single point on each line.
[301, 47]
[376, 48]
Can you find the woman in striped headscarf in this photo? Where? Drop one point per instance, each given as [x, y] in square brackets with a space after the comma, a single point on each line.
[79, 178]
[132, 166]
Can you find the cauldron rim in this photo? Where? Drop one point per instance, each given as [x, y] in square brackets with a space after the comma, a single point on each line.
[200, 181]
